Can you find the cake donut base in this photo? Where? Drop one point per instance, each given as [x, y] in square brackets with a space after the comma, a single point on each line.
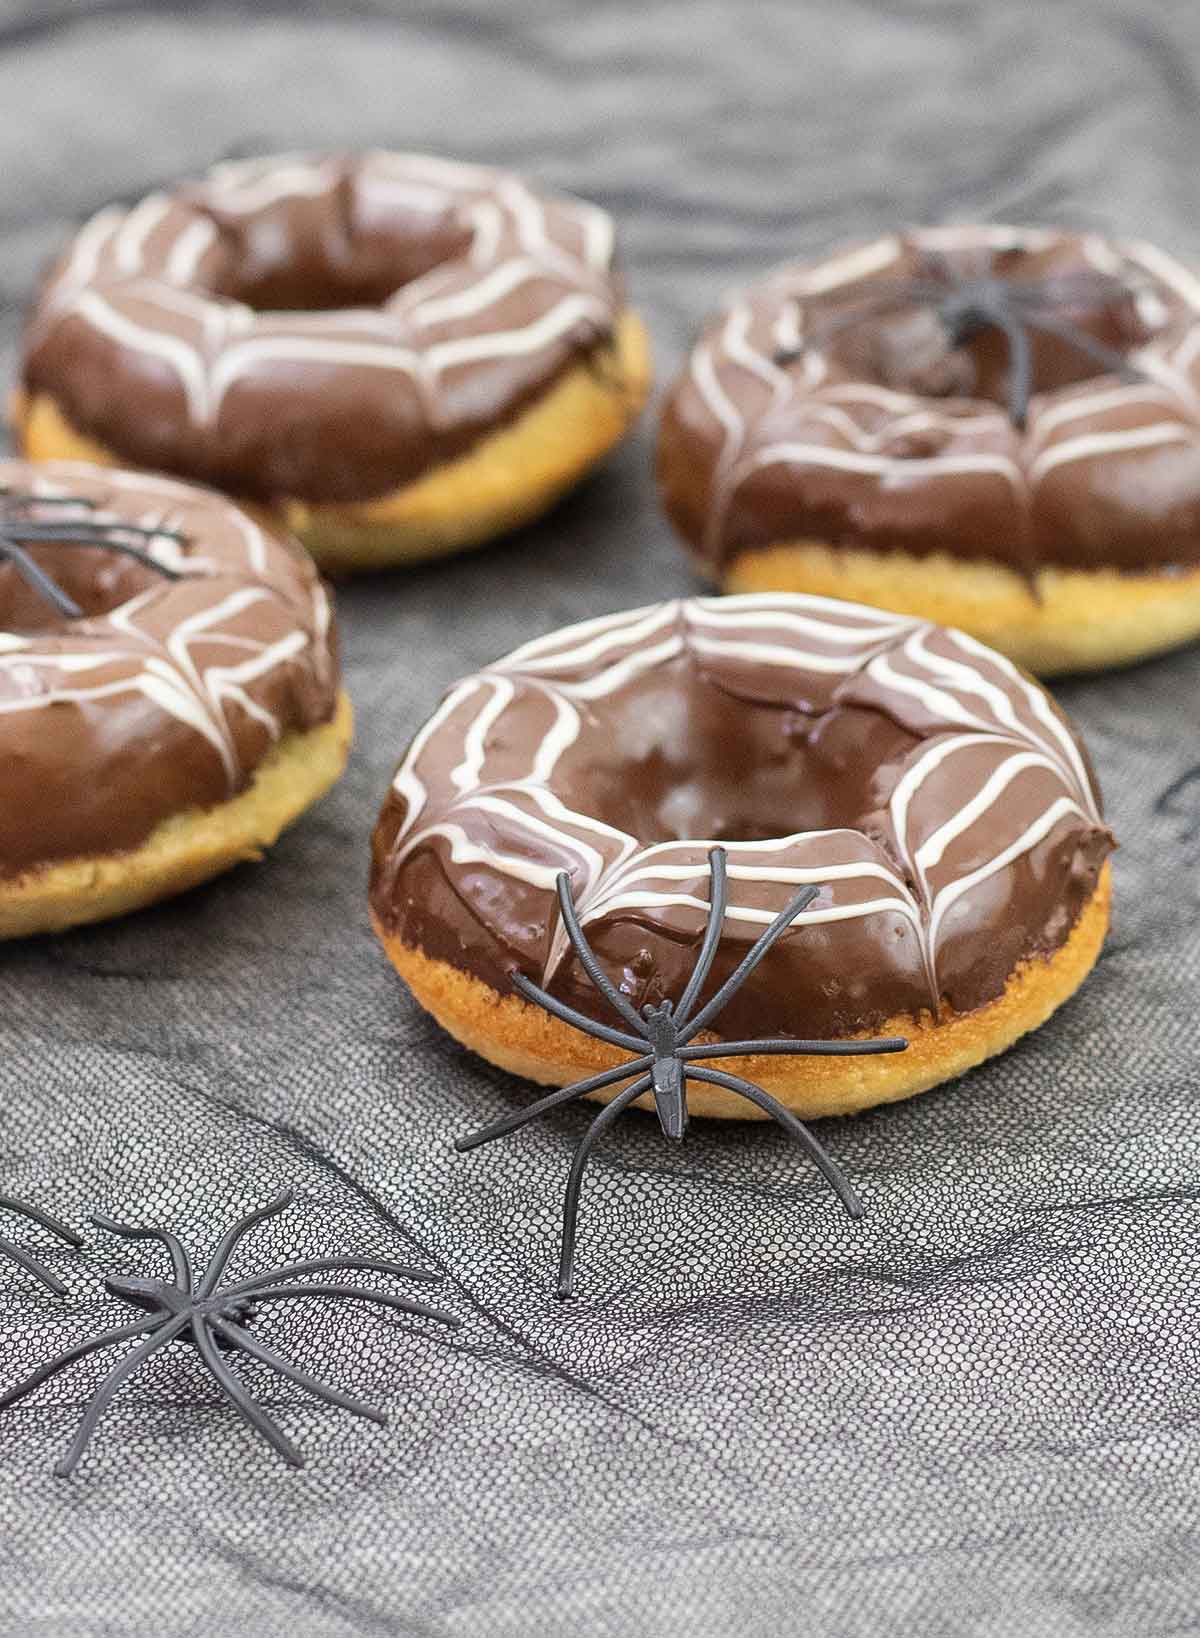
[187, 848]
[509, 478]
[1068, 620]
[521, 1038]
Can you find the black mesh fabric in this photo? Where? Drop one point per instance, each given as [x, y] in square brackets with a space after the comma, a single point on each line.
[977, 1411]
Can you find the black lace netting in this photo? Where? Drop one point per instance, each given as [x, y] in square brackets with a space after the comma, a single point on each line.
[974, 1412]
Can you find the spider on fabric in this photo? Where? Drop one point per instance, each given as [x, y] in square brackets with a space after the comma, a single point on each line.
[668, 1029]
[20, 527]
[966, 307]
[213, 1319]
[24, 1259]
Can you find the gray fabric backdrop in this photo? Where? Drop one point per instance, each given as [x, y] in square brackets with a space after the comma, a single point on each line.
[978, 1412]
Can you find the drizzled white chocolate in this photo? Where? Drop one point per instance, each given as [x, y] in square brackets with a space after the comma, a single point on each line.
[751, 421]
[985, 776]
[167, 693]
[513, 282]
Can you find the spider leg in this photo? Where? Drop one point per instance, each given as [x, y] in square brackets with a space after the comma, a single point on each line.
[38, 580]
[220, 1257]
[36, 1215]
[748, 962]
[552, 1100]
[180, 1262]
[405, 1305]
[94, 537]
[1020, 364]
[370, 1265]
[31, 1265]
[103, 1395]
[717, 898]
[542, 998]
[606, 1117]
[587, 956]
[120, 1333]
[806, 1049]
[829, 1169]
[236, 1391]
[257, 1349]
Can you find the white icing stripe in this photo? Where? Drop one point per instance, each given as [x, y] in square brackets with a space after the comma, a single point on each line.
[1042, 826]
[500, 282]
[256, 184]
[186, 253]
[716, 615]
[998, 721]
[551, 326]
[190, 666]
[846, 460]
[466, 775]
[84, 258]
[610, 636]
[1040, 704]
[136, 229]
[735, 340]
[1172, 273]
[742, 912]
[585, 630]
[183, 359]
[868, 422]
[516, 241]
[1100, 403]
[1109, 443]
[775, 655]
[848, 269]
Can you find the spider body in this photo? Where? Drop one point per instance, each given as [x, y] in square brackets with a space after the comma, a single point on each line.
[160, 1297]
[213, 1318]
[669, 1031]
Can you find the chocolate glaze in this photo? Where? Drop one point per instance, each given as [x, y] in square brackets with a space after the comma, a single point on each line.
[168, 693]
[933, 791]
[325, 329]
[792, 422]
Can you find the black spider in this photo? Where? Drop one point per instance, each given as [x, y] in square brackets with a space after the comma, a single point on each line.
[23, 1258]
[667, 1029]
[966, 307]
[212, 1318]
[20, 526]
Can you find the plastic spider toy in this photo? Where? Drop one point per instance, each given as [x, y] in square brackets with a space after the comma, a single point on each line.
[213, 1319]
[24, 1259]
[672, 1061]
[967, 307]
[20, 527]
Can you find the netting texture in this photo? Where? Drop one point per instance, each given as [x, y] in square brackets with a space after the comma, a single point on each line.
[975, 1412]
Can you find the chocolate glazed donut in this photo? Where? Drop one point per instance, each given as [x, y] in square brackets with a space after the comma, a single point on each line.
[932, 791]
[168, 708]
[397, 354]
[992, 427]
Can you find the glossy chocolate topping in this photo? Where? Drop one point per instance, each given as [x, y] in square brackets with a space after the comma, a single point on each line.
[325, 329]
[806, 413]
[168, 693]
[933, 791]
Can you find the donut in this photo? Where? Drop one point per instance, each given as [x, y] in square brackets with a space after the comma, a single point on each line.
[393, 356]
[182, 713]
[993, 428]
[930, 789]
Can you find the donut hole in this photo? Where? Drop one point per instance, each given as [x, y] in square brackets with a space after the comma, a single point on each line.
[298, 262]
[680, 758]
